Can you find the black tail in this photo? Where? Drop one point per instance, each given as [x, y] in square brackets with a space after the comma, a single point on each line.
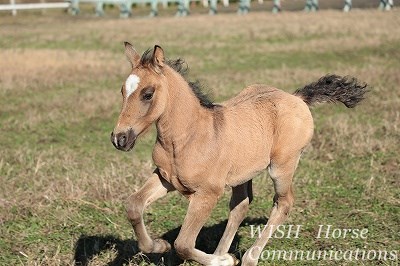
[333, 89]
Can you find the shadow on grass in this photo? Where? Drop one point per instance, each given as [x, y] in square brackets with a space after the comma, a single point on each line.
[87, 247]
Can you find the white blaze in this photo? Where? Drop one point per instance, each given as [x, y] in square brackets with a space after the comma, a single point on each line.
[131, 84]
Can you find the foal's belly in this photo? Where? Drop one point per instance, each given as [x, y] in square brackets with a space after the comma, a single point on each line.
[242, 173]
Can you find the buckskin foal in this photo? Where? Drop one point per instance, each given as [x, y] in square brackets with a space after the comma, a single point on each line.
[203, 147]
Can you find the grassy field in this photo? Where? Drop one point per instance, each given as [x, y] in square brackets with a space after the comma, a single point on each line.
[63, 183]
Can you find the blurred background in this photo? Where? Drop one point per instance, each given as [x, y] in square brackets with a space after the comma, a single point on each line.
[63, 184]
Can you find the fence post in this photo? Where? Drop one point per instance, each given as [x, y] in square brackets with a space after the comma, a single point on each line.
[183, 8]
[99, 9]
[13, 11]
[213, 7]
[389, 5]
[154, 8]
[125, 7]
[311, 5]
[347, 5]
[74, 9]
[244, 7]
[277, 6]
[386, 5]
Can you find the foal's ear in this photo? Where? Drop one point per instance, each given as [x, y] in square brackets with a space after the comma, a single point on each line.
[158, 58]
[131, 54]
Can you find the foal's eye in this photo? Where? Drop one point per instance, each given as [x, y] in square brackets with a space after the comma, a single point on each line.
[147, 94]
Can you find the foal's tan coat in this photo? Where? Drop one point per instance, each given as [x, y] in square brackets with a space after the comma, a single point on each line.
[199, 151]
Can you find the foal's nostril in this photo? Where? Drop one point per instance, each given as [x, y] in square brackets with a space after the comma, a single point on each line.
[122, 140]
[119, 140]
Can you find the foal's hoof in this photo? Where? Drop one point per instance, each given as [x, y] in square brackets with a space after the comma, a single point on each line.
[158, 246]
[225, 260]
[235, 260]
[161, 246]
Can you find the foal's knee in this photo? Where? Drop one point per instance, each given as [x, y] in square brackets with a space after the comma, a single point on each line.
[134, 209]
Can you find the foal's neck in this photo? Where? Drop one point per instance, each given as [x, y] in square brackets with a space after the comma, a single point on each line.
[183, 114]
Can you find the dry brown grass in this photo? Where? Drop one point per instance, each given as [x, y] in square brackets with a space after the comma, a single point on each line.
[27, 69]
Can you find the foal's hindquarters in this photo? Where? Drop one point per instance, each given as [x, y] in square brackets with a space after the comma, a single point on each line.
[284, 129]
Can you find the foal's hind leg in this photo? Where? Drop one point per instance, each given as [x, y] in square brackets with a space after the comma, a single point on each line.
[239, 205]
[154, 188]
[281, 171]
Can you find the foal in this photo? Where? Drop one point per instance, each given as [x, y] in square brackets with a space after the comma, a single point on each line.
[202, 147]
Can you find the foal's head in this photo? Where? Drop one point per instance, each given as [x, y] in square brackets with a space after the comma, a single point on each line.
[144, 96]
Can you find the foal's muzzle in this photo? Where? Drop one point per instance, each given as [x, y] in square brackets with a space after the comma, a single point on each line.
[124, 141]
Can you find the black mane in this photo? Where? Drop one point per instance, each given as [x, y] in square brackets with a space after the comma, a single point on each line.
[180, 66]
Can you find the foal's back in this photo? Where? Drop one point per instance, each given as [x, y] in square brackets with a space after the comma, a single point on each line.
[261, 124]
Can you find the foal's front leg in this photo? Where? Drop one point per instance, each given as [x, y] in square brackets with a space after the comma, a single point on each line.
[154, 188]
[200, 207]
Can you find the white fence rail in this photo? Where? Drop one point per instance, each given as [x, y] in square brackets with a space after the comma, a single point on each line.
[13, 7]
[73, 5]
[183, 6]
